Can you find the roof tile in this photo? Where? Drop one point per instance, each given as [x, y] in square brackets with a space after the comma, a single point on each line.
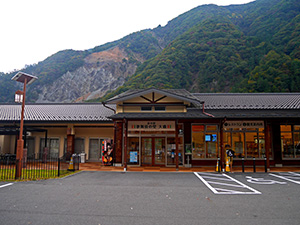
[250, 100]
[56, 112]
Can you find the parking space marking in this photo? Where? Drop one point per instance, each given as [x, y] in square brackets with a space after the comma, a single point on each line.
[224, 184]
[296, 174]
[290, 176]
[5, 185]
[262, 181]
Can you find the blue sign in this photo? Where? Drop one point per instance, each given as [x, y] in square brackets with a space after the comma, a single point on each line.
[133, 157]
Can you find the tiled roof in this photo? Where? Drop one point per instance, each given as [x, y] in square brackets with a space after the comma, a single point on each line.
[56, 112]
[250, 101]
[217, 114]
[267, 105]
[255, 113]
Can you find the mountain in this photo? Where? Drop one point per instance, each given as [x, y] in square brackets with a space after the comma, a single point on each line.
[253, 47]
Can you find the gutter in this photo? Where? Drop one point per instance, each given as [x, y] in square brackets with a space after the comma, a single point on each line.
[203, 110]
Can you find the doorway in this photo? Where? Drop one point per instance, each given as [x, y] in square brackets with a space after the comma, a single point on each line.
[94, 149]
[153, 151]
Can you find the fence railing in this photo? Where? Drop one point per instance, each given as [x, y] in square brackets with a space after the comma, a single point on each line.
[35, 167]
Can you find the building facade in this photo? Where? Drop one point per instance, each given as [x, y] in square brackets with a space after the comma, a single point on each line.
[177, 128]
[68, 129]
[169, 128]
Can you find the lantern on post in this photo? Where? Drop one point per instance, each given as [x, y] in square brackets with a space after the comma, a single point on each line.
[20, 97]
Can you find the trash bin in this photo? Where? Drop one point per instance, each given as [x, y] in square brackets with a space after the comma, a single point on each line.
[82, 157]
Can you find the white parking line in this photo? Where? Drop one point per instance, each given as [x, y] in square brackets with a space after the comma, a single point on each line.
[262, 181]
[290, 177]
[244, 185]
[227, 181]
[296, 174]
[207, 184]
[5, 185]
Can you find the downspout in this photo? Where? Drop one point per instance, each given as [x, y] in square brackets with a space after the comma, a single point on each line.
[203, 111]
[103, 103]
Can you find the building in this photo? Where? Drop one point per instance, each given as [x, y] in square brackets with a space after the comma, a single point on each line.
[176, 128]
[68, 128]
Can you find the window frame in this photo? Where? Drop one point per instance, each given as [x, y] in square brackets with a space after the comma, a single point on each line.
[206, 132]
[292, 132]
[146, 108]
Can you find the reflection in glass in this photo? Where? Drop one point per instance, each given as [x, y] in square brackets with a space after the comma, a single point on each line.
[171, 151]
[159, 151]
[147, 151]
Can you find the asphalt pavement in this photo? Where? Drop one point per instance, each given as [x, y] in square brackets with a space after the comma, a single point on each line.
[97, 197]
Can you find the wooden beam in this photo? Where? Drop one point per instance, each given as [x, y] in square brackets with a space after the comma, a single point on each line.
[161, 98]
[146, 99]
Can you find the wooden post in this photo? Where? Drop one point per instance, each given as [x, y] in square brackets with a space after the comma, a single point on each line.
[115, 143]
[125, 144]
[177, 150]
[20, 143]
[221, 153]
[267, 144]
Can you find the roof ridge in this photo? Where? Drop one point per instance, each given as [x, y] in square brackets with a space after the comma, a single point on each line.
[57, 103]
[263, 93]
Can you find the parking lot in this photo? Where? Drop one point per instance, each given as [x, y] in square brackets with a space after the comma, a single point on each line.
[154, 198]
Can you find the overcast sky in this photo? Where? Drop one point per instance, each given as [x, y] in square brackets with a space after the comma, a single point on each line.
[32, 30]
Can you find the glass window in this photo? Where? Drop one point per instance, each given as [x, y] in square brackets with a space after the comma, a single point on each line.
[160, 108]
[79, 146]
[227, 138]
[238, 144]
[133, 152]
[289, 141]
[286, 128]
[198, 145]
[197, 128]
[297, 144]
[30, 145]
[52, 145]
[211, 127]
[247, 143]
[262, 146]
[146, 108]
[297, 128]
[252, 145]
[95, 149]
[204, 141]
[211, 145]
[287, 145]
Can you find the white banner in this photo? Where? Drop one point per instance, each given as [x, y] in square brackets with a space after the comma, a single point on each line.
[151, 125]
[244, 124]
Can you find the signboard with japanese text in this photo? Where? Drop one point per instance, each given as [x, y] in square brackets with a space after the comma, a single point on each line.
[151, 125]
[244, 124]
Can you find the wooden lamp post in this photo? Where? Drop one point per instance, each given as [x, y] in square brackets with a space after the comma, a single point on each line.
[20, 98]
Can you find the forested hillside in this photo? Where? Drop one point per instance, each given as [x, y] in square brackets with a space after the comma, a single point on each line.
[253, 47]
[245, 48]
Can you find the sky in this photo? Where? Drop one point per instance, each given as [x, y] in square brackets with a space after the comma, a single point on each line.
[32, 30]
